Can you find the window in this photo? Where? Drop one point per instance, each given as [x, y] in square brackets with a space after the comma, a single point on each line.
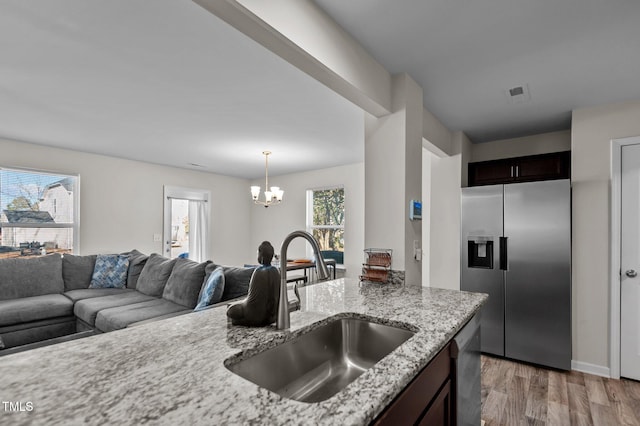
[325, 220]
[38, 213]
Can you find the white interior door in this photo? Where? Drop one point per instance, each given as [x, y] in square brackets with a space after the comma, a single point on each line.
[630, 264]
[186, 223]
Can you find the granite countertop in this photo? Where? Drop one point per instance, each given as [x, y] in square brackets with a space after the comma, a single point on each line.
[172, 372]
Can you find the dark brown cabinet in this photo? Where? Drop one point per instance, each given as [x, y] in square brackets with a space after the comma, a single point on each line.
[428, 399]
[440, 412]
[556, 165]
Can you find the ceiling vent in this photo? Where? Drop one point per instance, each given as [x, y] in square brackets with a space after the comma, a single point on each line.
[518, 94]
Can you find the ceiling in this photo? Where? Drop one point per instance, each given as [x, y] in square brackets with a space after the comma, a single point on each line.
[172, 84]
[164, 82]
[466, 54]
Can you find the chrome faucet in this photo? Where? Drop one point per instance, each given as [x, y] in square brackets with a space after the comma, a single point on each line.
[283, 321]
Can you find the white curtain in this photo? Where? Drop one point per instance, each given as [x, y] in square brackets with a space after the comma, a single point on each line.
[198, 231]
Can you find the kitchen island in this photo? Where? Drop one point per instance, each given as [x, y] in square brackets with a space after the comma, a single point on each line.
[172, 371]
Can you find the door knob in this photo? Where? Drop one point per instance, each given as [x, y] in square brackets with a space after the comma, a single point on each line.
[631, 273]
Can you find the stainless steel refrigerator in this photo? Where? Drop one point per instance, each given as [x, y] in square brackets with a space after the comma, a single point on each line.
[516, 246]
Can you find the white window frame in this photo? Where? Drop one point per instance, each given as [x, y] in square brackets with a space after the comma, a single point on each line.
[75, 225]
[309, 221]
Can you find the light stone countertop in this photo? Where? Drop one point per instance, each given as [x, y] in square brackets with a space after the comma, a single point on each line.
[171, 371]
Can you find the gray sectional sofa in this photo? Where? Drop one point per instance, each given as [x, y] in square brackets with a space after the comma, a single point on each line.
[48, 297]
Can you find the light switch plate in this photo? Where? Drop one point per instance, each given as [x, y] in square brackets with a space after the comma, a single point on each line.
[157, 238]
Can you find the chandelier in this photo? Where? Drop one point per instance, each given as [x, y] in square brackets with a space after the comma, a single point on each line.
[273, 196]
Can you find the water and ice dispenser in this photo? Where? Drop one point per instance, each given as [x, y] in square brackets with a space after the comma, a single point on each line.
[480, 252]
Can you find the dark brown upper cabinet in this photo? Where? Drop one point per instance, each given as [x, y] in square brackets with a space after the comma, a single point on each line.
[556, 165]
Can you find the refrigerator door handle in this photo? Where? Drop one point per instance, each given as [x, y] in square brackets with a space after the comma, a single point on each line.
[503, 253]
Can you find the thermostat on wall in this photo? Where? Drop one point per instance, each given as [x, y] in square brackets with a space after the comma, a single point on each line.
[415, 210]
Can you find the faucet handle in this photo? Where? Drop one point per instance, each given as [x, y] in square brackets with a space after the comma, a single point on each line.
[294, 304]
[297, 293]
[322, 272]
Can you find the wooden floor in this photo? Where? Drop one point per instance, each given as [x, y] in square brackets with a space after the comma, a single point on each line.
[521, 394]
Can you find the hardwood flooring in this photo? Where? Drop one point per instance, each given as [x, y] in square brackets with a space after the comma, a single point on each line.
[521, 394]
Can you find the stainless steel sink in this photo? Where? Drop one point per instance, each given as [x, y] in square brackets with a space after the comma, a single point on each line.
[316, 365]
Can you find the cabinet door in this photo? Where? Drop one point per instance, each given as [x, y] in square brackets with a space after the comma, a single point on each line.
[439, 413]
[491, 172]
[556, 165]
[543, 167]
[413, 403]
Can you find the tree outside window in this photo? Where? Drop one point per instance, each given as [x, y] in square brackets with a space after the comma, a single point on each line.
[325, 220]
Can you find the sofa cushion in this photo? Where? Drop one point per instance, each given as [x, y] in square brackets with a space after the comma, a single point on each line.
[77, 271]
[37, 331]
[88, 293]
[158, 318]
[136, 263]
[154, 275]
[185, 282]
[33, 276]
[88, 309]
[110, 271]
[120, 317]
[34, 308]
[236, 282]
[212, 289]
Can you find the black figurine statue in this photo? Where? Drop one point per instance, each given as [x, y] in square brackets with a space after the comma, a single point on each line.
[261, 305]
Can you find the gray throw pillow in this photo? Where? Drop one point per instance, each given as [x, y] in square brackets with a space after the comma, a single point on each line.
[154, 275]
[137, 261]
[236, 282]
[77, 271]
[31, 276]
[185, 282]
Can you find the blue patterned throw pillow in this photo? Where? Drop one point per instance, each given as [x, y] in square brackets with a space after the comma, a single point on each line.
[110, 271]
[212, 290]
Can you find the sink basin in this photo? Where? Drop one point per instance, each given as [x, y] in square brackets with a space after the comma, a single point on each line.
[316, 365]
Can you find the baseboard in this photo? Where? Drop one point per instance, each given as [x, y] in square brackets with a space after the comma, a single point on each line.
[585, 367]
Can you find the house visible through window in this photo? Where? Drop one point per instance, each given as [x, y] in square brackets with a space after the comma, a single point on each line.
[38, 213]
[325, 220]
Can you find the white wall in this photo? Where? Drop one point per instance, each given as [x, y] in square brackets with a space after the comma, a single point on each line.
[435, 132]
[461, 145]
[393, 175]
[445, 222]
[518, 147]
[274, 223]
[413, 178]
[384, 224]
[591, 135]
[426, 216]
[121, 204]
